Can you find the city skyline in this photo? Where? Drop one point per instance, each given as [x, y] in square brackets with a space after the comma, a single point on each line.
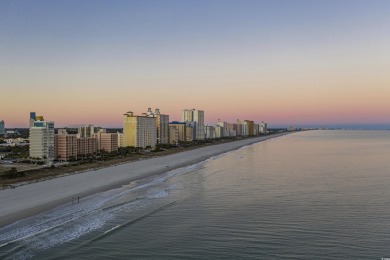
[284, 62]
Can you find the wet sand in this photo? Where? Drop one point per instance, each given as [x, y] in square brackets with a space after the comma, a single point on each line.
[34, 198]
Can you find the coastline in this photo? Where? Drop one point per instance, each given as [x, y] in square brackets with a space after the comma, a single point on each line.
[34, 198]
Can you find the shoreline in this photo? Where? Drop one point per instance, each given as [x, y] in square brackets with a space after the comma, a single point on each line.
[37, 197]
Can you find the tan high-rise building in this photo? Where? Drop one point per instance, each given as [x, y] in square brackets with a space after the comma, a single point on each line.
[173, 134]
[107, 142]
[184, 131]
[249, 125]
[86, 147]
[139, 131]
[66, 146]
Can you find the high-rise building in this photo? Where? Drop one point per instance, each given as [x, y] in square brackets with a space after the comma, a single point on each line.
[238, 127]
[139, 131]
[42, 144]
[2, 127]
[86, 147]
[162, 123]
[249, 126]
[65, 146]
[218, 131]
[196, 116]
[107, 142]
[120, 139]
[263, 128]
[209, 132]
[173, 134]
[88, 130]
[185, 131]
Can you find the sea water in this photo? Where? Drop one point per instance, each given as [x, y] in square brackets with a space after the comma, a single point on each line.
[307, 195]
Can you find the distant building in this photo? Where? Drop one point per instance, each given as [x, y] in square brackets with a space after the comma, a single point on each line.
[209, 132]
[42, 144]
[120, 139]
[218, 131]
[191, 130]
[107, 142]
[65, 146]
[185, 131]
[162, 123]
[225, 130]
[249, 126]
[197, 116]
[86, 147]
[256, 129]
[263, 128]
[238, 127]
[177, 132]
[173, 134]
[88, 130]
[2, 127]
[139, 131]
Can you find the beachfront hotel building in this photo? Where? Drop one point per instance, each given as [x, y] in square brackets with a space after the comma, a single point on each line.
[120, 139]
[65, 146]
[185, 131]
[218, 131]
[86, 147]
[248, 126]
[162, 123]
[2, 127]
[42, 144]
[139, 131]
[74, 147]
[196, 116]
[173, 134]
[107, 142]
[237, 126]
[209, 132]
[263, 128]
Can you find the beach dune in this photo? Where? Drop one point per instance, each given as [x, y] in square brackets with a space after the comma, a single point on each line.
[31, 199]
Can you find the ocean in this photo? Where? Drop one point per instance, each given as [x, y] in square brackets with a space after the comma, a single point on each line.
[307, 195]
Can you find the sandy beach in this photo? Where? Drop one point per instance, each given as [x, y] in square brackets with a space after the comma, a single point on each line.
[34, 198]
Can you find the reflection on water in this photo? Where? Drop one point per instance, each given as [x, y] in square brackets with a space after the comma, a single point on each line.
[318, 194]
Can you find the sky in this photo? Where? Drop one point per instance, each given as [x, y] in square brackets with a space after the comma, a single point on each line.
[290, 62]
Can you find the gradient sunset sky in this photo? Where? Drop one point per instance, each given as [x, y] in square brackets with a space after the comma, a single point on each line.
[312, 62]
